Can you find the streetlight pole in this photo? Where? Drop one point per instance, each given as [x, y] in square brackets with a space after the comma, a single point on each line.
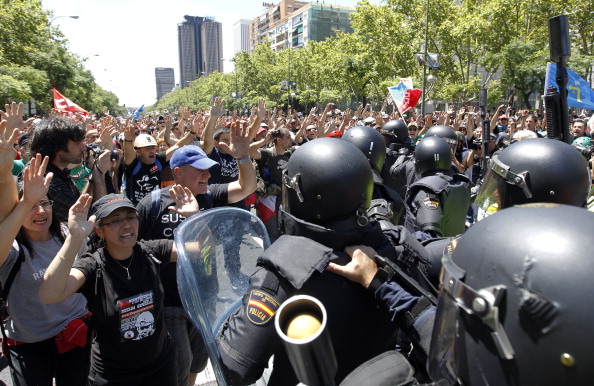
[425, 60]
[49, 25]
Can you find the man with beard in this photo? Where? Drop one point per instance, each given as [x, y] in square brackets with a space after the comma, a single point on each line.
[63, 141]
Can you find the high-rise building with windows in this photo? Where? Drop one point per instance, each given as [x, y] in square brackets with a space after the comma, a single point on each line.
[200, 42]
[165, 80]
[241, 35]
[293, 23]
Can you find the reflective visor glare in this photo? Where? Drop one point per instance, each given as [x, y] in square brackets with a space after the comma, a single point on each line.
[442, 356]
[285, 192]
[488, 197]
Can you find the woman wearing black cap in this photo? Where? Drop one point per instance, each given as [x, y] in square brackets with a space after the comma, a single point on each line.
[123, 289]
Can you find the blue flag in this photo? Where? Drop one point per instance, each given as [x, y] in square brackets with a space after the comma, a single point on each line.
[136, 113]
[579, 94]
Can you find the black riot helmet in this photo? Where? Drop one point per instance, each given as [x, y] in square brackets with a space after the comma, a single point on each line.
[516, 309]
[445, 132]
[395, 131]
[371, 143]
[326, 180]
[535, 170]
[432, 155]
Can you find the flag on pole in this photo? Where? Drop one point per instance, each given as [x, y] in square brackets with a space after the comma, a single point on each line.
[63, 104]
[404, 95]
[411, 98]
[579, 93]
[137, 112]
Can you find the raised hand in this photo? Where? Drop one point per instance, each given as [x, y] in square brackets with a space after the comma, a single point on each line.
[185, 202]
[261, 109]
[185, 114]
[14, 116]
[8, 138]
[129, 131]
[240, 142]
[216, 107]
[35, 183]
[78, 225]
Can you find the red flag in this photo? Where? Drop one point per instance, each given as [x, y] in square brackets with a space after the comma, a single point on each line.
[411, 98]
[61, 103]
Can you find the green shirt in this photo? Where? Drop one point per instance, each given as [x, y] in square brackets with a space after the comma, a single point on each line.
[17, 167]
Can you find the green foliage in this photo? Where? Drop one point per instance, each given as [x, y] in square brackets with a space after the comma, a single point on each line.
[34, 57]
[12, 89]
[501, 45]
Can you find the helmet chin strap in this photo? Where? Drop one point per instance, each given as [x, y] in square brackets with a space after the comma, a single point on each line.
[336, 235]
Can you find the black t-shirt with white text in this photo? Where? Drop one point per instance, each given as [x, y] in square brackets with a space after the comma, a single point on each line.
[128, 319]
[226, 171]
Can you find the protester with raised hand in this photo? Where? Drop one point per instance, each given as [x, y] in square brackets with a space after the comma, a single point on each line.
[121, 283]
[42, 340]
[63, 141]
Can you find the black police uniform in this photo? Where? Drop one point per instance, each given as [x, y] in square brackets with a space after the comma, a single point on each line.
[296, 265]
[393, 172]
[437, 205]
[386, 206]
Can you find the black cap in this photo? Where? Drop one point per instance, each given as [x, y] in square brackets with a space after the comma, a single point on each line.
[108, 203]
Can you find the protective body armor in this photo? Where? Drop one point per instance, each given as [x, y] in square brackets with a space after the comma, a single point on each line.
[296, 265]
[393, 172]
[438, 204]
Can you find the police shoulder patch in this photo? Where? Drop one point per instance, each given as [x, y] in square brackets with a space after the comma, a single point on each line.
[261, 307]
[449, 248]
[431, 203]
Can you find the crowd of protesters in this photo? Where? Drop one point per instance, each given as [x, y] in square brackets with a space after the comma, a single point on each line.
[138, 179]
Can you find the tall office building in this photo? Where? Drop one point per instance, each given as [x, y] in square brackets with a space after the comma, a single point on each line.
[165, 80]
[241, 35]
[200, 42]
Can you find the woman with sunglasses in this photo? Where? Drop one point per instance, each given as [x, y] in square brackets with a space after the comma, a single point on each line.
[40, 340]
[122, 285]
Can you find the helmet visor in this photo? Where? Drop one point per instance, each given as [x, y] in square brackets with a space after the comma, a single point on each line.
[444, 355]
[458, 300]
[290, 184]
[493, 190]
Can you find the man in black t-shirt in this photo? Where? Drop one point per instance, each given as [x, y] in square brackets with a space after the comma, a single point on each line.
[190, 167]
[144, 164]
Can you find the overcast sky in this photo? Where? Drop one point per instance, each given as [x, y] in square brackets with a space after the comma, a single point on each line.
[132, 37]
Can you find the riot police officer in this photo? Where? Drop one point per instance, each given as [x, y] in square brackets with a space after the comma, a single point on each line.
[501, 318]
[323, 211]
[436, 204]
[519, 317]
[398, 154]
[387, 206]
[535, 170]
[404, 169]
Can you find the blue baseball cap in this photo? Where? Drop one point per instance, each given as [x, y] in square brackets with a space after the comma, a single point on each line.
[191, 155]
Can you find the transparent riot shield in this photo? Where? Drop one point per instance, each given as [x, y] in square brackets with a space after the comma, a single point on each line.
[217, 253]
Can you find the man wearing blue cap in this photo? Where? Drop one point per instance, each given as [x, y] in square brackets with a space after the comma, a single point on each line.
[190, 166]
